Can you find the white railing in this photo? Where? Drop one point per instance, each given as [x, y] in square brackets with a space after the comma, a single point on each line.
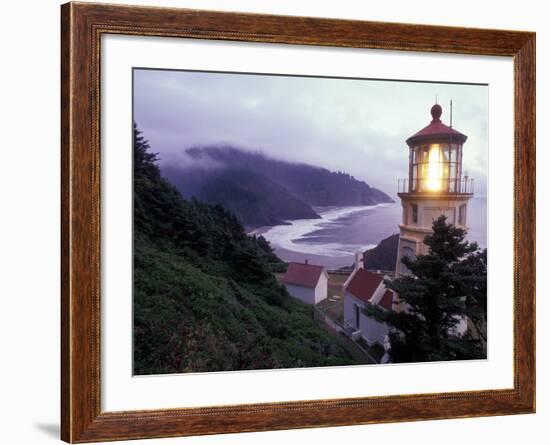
[446, 185]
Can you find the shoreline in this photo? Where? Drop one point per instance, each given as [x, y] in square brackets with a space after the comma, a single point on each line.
[303, 239]
[333, 240]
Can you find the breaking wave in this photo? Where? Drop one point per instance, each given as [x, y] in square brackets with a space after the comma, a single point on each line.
[317, 236]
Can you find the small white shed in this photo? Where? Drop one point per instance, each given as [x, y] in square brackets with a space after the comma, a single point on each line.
[306, 282]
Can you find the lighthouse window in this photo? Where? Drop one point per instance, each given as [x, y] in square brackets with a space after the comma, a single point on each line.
[414, 211]
[462, 215]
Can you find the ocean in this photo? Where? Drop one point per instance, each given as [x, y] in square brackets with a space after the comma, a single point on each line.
[333, 240]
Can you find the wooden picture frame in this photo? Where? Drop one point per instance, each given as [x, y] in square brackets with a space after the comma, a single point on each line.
[82, 26]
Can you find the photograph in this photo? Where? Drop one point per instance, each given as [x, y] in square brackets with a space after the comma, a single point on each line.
[292, 221]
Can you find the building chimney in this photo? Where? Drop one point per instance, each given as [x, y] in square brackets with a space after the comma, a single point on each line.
[358, 261]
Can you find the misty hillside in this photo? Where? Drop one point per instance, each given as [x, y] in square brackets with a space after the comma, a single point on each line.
[264, 191]
[253, 198]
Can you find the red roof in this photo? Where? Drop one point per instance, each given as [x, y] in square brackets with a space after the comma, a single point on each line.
[364, 284]
[387, 300]
[436, 130]
[301, 274]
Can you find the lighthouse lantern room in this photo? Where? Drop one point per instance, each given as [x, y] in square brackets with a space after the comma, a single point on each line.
[436, 185]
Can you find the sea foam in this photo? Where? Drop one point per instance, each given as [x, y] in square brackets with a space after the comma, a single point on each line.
[293, 236]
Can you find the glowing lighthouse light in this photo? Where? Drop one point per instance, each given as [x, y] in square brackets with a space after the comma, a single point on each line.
[435, 169]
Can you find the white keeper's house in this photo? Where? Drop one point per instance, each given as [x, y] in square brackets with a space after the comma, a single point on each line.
[360, 289]
[306, 282]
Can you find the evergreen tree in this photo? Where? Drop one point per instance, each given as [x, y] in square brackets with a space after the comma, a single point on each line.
[144, 161]
[447, 285]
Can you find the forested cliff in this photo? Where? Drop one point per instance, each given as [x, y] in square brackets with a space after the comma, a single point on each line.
[261, 190]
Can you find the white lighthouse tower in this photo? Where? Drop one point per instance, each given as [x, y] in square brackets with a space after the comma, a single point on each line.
[435, 186]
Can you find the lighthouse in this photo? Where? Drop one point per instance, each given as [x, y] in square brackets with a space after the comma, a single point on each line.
[436, 185]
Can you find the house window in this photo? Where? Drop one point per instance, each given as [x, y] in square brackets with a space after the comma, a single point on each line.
[414, 209]
[357, 315]
[462, 215]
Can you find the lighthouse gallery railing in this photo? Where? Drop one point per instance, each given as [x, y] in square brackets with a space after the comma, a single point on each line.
[441, 185]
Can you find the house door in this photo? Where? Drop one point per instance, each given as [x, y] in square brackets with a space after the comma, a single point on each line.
[357, 314]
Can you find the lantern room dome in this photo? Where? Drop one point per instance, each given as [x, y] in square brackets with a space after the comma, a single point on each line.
[436, 131]
[436, 112]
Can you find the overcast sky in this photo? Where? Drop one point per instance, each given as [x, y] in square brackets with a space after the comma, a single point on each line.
[356, 126]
